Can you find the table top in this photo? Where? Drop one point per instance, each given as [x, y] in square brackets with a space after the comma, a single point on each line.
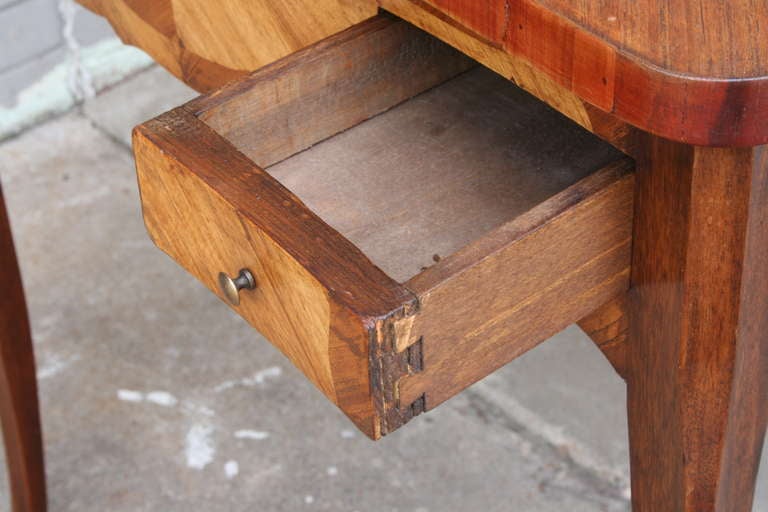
[689, 70]
[704, 39]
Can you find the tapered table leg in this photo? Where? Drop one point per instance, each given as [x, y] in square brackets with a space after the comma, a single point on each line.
[698, 352]
[18, 385]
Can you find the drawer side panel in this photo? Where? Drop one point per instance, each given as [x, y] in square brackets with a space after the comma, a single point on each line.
[520, 285]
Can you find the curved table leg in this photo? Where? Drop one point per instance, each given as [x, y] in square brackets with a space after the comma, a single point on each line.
[18, 385]
[698, 353]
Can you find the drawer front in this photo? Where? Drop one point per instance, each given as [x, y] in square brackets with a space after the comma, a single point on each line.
[207, 235]
[381, 349]
[301, 302]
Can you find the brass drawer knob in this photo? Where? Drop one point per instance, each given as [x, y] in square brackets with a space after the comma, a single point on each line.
[231, 287]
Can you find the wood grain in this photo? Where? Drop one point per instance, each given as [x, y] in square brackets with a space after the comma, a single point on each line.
[264, 30]
[510, 66]
[428, 177]
[515, 68]
[288, 306]
[688, 70]
[18, 385]
[700, 38]
[150, 25]
[233, 215]
[193, 39]
[698, 361]
[693, 71]
[608, 327]
[319, 299]
[353, 330]
[533, 277]
[317, 93]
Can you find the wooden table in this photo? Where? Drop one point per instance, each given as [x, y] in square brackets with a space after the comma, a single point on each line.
[18, 384]
[680, 86]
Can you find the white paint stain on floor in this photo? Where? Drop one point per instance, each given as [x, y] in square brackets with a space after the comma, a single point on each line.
[231, 469]
[162, 398]
[128, 395]
[256, 435]
[199, 448]
[256, 379]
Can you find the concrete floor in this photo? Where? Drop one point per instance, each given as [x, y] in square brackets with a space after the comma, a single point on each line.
[156, 397]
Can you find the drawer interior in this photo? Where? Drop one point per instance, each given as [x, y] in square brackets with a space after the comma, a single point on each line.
[422, 176]
[413, 221]
[426, 178]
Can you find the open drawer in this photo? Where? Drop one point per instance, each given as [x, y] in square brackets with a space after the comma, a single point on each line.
[411, 222]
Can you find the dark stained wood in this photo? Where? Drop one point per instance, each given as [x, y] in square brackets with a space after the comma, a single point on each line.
[688, 70]
[608, 327]
[698, 38]
[18, 385]
[698, 360]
